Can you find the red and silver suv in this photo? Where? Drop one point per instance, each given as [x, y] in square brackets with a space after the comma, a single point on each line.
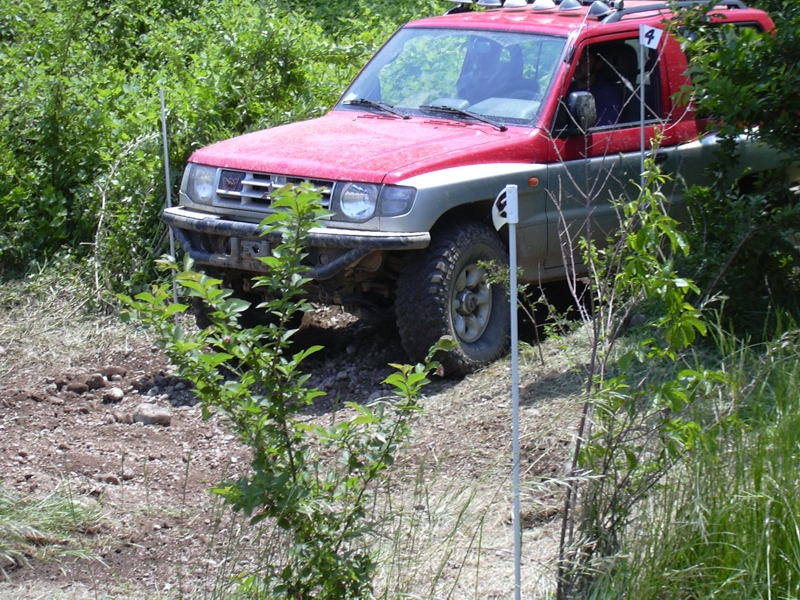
[448, 112]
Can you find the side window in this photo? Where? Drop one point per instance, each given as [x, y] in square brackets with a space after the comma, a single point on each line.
[610, 71]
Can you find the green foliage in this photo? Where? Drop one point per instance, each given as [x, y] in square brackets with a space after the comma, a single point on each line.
[725, 524]
[746, 242]
[80, 140]
[639, 418]
[314, 482]
[745, 233]
[747, 77]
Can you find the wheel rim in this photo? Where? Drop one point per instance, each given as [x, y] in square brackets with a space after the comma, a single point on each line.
[472, 303]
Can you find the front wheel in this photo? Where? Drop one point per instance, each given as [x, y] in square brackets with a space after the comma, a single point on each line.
[443, 290]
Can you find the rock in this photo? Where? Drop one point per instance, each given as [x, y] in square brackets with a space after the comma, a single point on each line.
[151, 414]
[122, 416]
[128, 474]
[108, 478]
[21, 396]
[95, 381]
[76, 387]
[111, 371]
[113, 395]
[183, 398]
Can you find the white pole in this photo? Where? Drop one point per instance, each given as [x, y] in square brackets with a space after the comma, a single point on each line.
[505, 210]
[649, 37]
[640, 92]
[169, 191]
[512, 210]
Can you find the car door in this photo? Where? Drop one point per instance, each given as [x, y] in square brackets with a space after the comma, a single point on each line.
[589, 170]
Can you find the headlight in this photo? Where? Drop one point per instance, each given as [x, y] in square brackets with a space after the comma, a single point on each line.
[357, 201]
[200, 183]
[362, 201]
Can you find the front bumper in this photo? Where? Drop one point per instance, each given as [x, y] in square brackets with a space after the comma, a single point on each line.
[219, 242]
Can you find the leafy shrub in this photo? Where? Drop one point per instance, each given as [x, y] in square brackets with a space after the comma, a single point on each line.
[80, 131]
[745, 234]
[314, 482]
[638, 419]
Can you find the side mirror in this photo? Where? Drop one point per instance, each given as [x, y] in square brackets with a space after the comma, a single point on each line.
[576, 115]
[583, 110]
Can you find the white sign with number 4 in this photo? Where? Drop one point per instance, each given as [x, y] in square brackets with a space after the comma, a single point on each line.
[649, 36]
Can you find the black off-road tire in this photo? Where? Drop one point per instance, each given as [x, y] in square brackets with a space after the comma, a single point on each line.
[441, 291]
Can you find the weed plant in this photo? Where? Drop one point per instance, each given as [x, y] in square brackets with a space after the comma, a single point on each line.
[726, 524]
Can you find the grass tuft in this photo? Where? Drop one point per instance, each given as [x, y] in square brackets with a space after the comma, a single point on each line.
[53, 526]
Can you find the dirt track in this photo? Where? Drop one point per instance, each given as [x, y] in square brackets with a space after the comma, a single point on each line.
[165, 534]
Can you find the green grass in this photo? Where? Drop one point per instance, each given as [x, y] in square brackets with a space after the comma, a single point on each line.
[726, 523]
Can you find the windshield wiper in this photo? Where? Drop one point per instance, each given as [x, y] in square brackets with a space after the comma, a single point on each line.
[465, 113]
[380, 105]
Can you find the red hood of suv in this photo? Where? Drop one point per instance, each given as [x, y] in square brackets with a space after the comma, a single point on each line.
[368, 147]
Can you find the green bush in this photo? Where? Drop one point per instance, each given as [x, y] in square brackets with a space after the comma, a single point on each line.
[80, 140]
[745, 234]
[314, 482]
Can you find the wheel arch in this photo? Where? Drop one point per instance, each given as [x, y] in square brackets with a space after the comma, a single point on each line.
[479, 211]
[464, 192]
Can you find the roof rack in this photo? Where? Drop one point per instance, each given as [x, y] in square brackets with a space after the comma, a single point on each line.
[536, 5]
[623, 12]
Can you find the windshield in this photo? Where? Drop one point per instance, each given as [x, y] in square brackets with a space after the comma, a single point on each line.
[496, 74]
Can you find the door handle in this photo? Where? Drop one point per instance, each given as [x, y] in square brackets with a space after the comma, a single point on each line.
[659, 158]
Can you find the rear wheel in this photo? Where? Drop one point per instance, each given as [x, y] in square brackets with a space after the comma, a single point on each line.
[442, 290]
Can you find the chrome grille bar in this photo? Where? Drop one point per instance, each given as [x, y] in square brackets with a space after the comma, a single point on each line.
[254, 190]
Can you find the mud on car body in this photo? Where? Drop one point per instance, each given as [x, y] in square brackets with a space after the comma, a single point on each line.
[446, 114]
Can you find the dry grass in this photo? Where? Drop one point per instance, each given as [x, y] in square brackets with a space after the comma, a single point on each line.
[453, 537]
[46, 321]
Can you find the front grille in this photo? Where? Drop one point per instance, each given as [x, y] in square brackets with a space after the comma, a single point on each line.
[254, 190]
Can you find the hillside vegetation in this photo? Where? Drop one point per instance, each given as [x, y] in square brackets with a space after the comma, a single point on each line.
[80, 136]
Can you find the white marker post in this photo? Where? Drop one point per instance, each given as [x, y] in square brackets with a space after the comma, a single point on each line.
[649, 37]
[506, 210]
[169, 191]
